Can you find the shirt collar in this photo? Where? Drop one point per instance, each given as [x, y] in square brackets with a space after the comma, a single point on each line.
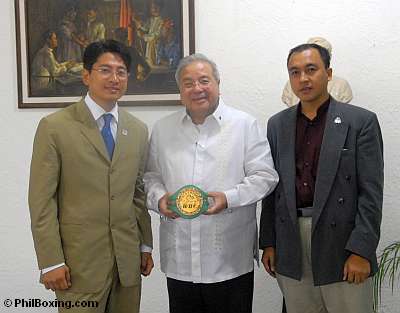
[97, 111]
[218, 115]
[321, 110]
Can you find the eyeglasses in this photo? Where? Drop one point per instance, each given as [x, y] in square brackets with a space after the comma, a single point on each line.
[202, 82]
[106, 72]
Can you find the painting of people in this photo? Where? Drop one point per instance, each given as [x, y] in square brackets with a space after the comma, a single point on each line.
[54, 34]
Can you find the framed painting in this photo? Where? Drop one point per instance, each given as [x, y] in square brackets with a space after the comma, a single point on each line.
[52, 35]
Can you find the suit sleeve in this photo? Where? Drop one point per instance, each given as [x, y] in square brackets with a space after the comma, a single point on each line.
[42, 198]
[267, 220]
[143, 218]
[365, 235]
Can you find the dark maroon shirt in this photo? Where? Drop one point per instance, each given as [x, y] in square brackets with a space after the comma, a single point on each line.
[309, 135]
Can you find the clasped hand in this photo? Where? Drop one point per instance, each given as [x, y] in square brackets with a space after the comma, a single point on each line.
[219, 203]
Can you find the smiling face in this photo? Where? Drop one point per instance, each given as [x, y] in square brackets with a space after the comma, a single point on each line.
[105, 91]
[199, 90]
[309, 77]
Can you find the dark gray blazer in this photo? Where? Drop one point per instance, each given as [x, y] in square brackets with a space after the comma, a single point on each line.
[348, 193]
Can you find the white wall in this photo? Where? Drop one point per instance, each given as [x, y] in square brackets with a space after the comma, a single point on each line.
[249, 40]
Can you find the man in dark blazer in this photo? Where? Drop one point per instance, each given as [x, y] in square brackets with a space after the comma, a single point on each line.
[91, 229]
[320, 227]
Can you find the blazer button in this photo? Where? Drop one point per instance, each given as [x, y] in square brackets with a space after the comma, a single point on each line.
[282, 220]
[278, 196]
[341, 200]
[347, 177]
[333, 224]
[112, 197]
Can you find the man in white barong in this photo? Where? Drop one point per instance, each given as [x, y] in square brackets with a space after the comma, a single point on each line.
[208, 260]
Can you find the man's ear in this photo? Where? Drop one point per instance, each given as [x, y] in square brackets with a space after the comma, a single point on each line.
[329, 71]
[85, 77]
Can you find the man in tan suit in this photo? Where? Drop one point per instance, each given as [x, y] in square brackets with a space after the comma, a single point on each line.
[90, 227]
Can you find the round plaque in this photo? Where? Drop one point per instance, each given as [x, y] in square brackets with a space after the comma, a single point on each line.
[189, 201]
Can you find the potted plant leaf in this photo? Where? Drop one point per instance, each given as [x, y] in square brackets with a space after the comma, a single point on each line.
[389, 268]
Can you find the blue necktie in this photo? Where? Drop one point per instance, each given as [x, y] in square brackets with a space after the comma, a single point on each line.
[107, 135]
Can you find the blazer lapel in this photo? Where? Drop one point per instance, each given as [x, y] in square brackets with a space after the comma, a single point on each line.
[335, 134]
[126, 136]
[90, 129]
[286, 155]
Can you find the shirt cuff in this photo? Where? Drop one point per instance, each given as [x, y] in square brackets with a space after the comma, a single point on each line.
[144, 248]
[50, 268]
[232, 198]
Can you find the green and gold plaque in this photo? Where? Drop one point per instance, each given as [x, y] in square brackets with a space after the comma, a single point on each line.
[189, 201]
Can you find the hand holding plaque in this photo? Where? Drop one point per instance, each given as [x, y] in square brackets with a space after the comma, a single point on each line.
[217, 202]
[189, 202]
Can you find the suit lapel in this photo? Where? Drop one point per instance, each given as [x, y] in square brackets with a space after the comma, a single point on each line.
[90, 129]
[122, 136]
[286, 155]
[335, 134]
[126, 136]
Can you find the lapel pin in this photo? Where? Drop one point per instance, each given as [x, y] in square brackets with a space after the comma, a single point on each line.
[124, 132]
[338, 120]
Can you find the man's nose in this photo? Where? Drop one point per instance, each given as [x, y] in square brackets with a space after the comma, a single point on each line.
[197, 86]
[303, 76]
[114, 76]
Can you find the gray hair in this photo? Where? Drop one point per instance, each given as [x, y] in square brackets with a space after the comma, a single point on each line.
[196, 57]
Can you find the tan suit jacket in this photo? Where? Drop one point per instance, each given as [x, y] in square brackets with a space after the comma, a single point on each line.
[86, 210]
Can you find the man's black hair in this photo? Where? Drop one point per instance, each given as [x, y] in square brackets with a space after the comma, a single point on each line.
[94, 50]
[323, 52]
